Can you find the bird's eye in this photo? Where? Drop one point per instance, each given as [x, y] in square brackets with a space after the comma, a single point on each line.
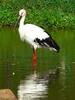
[22, 13]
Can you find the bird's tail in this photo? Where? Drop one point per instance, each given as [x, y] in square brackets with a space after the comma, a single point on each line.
[52, 44]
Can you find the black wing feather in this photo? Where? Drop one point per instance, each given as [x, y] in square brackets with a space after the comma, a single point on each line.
[48, 42]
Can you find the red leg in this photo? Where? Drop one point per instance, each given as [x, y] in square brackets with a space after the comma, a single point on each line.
[34, 60]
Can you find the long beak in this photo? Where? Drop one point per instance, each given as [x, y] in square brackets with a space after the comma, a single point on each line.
[18, 21]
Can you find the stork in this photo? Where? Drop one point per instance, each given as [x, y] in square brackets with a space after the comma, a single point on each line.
[35, 36]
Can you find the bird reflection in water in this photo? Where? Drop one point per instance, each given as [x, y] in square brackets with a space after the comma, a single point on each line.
[32, 88]
[35, 87]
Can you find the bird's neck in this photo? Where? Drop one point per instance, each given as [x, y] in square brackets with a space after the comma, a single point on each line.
[22, 21]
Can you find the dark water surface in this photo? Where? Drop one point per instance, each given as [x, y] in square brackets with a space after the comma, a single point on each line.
[16, 67]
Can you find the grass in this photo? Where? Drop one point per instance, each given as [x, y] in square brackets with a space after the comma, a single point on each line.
[49, 14]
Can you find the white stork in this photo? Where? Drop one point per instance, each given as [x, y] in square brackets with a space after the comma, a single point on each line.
[35, 36]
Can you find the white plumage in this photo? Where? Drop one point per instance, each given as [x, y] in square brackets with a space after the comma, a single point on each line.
[30, 32]
[33, 31]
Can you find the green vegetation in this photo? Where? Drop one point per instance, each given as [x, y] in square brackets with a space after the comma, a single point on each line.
[45, 13]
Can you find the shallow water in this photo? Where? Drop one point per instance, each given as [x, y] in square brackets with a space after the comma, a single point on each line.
[16, 67]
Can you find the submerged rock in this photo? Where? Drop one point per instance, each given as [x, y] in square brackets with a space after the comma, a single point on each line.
[7, 94]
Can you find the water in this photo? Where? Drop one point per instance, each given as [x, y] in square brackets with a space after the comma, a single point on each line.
[16, 67]
[32, 88]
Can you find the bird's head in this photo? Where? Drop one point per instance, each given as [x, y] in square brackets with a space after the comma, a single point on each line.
[22, 13]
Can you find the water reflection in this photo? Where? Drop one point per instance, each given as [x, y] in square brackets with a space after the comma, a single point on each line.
[35, 86]
[32, 88]
[63, 73]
